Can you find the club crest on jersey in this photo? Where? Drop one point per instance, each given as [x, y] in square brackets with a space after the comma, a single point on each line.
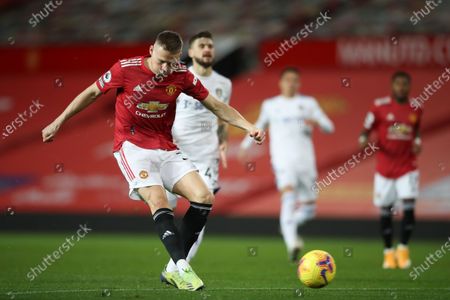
[219, 92]
[413, 118]
[107, 77]
[143, 174]
[400, 131]
[171, 89]
[152, 106]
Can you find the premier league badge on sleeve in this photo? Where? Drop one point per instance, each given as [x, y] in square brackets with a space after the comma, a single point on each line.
[107, 77]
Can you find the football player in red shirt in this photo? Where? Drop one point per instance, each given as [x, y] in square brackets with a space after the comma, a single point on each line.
[147, 89]
[396, 124]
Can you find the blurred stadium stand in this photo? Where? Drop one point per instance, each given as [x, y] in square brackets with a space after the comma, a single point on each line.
[248, 21]
[77, 175]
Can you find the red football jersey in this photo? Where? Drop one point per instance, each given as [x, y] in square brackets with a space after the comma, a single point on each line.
[396, 126]
[146, 102]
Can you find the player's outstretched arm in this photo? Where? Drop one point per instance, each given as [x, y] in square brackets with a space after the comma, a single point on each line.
[263, 123]
[222, 134]
[325, 124]
[369, 125]
[83, 100]
[233, 117]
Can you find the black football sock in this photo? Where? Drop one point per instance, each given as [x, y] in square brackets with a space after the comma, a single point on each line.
[168, 233]
[408, 223]
[386, 226]
[193, 222]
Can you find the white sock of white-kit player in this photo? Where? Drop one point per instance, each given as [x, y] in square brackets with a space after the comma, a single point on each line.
[195, 246]
[172, 267]
[287, 222]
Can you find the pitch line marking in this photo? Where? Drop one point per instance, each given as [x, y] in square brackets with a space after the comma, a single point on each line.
[211, 289]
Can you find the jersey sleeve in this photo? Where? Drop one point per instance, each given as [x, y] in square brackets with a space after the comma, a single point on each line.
[261, 123]
[227, 97]
[112, 79]
[325, 124]
[418, 123]
[194, 88]
[370, 122]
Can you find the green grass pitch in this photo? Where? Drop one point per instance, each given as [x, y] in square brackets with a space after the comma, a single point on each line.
[120, 266]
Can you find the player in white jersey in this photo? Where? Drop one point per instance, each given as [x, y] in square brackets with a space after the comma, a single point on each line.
[291, 118]
[197, 132]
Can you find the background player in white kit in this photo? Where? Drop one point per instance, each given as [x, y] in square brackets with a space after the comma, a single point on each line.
[291, 118]
[197, 131]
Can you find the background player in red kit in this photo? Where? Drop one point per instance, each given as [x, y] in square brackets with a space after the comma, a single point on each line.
[396, 124]
[147, 89]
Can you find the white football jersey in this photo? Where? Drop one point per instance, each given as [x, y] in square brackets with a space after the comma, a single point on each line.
[290, 136]
[195, 127]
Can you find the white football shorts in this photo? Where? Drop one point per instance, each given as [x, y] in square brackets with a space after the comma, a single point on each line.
[148, 167]
[387, 191]
[302, 181]
[209, 172]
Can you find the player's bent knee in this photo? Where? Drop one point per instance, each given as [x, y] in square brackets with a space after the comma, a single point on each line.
[286, 189]
[386, 211]
[204, 197]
